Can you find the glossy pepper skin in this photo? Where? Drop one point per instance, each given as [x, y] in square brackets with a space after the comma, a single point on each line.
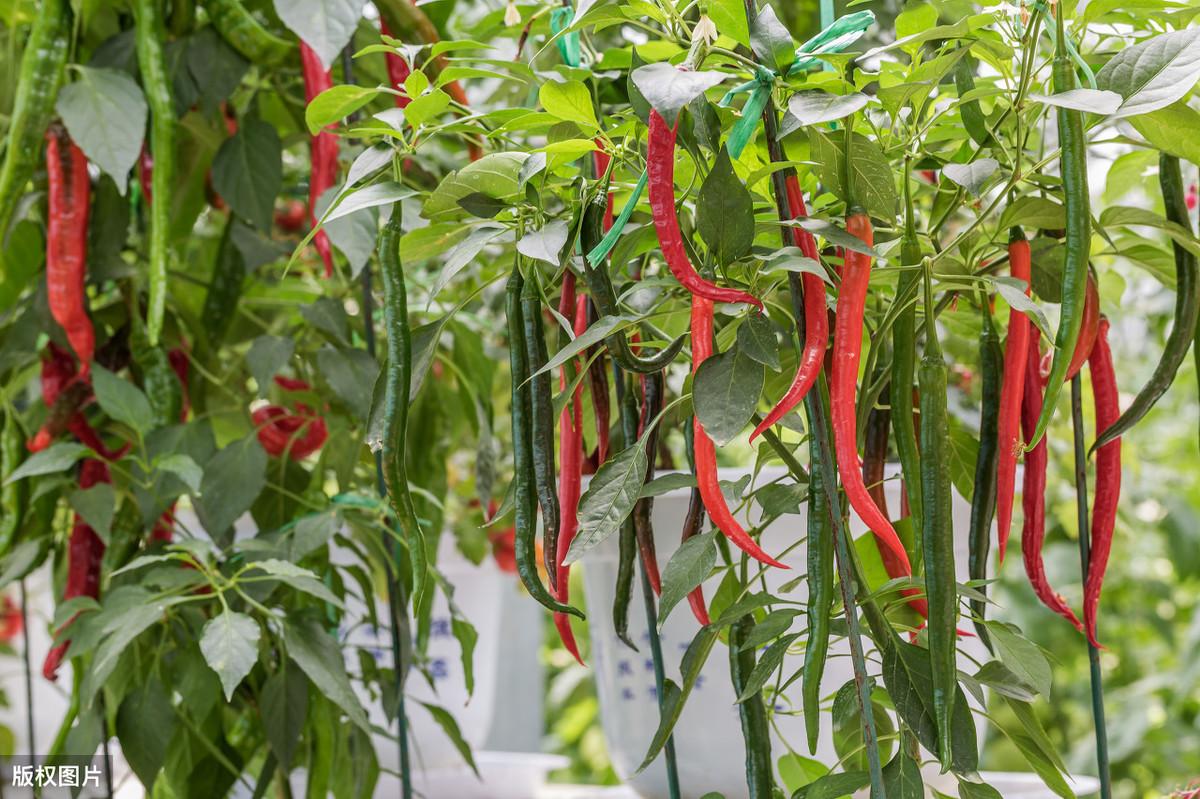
[706, 453]
[693, 523]
[1012, 390]
[246, 35]
[904, 372]
[324, 147]
[1088, 328]
[660, 169]
[816, 320]
[541, 423]
[820, 596]
[756, 731]
[66, 243]
[1033, 496]
[1108, 478]
[652, 400]
[847, 348]
[983, 502]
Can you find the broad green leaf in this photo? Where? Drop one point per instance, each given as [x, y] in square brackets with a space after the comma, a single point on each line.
[975, 790]
[299, 578]
[730, 18]
[1124, 215]
[1174, 129]
[328, 315]
[229, 644]
[675, 696]
[184, 467]
[902, 778]
[725, 212]
[335, 104]
[1031, 211]
[686, 569]
[1090, 101]
[283, 707]
[266, 357]
[771, 41]
[494, 175]
[815, 107]
[725, 392]
[834, 786]
[756, 340]
[974, 176]
[325, 25]
[1021, 656]
[105, 113]
[609, 498]
[351, 374]
[146, 723]
[546, 243]
[372, 196]
[663, 484]
[426, 106]
[56, 458]
[122, 400]
[95, 506]
[121, 626]
[248, 171]
[1154, 73]
[569, 101]
[872, 178]
[232, 481]
[313, 532]
[669, 89]
[320, 656]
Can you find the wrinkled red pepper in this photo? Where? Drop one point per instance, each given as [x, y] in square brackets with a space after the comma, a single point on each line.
[1012, 389]
[324, 150]
[1108, 477]
[59, 373]
[284, 433]
[66, 243]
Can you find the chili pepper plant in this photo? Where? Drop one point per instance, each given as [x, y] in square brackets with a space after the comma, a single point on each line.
[289, 290]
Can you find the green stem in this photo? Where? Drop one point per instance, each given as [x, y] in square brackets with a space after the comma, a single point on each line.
[659, 679]
[1081, 505]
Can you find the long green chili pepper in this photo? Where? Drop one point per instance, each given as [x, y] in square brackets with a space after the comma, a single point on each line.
[246, 34]
[1187, 307]
[627, 541]
[12, 495]
[224, 288]
[820, 596]
[972, 115]
[938, 533]
[397, 378]
[159, 381]
[541, 399]
[1073, 166]
[525, 495]
[643, 528]
[41, 74]
[904, 361]
[756, 730]
[983, 502]
[156, 83]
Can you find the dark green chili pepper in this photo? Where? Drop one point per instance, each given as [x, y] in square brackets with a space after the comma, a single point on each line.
[652, 387]
[605, 298]
[398, 376]
[12, 495]
[904, 360]
[1073, 166]
[756, 731]
[938, 534]
[239, 27]
[820, 595]
[627, 540]
[224, 288]
[156, 83]
[182, 17]
[524, 494]
[1187, 307]
[159, 381]
[983, 502]
[41, 74]
[542, 422]
[972, 115]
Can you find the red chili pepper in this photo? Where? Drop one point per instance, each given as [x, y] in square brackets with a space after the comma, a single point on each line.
[85, 552]
[11, 623]
[570, 458]
[292, 383]
[660, 167]
[59, 373]
[397, 69]
[1089, 327]
[1012, 389]
[292, 217]
[601, 160]
[1108, 477]
[706, 454]
[66, 243]
[324, 150]
[816, 320]
[1033, 499]
[145, 174]
[843, 387]
[283, 433]
[692, 525]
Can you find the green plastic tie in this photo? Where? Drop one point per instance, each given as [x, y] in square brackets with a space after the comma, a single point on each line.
[601, 250]
[568, 43]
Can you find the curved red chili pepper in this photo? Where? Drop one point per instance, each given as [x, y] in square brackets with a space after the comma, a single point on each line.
[1108, 477]
[816, 319]
[69, 190]
[1033, 498]
[1089, 327]
[660, 168]
[1012, 389]
[283, 433]
[292, 383]
[58, 373]
[324, 150]
[706, 453]
[570, 458]
[843, 387]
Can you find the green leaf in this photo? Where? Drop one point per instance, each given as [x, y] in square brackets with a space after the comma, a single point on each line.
[1001, 679]
[122, 400]
[766, 666]
[796, 771]
[313, 532]
[902, 778]
[52, 460]
[426, 106]
[871, 175]
[1022, 657]
[593, 335]
[450, 727]
[105, 113]
[546, 243]
[299, 578]
[669, 89]
[95, 506]
[266, 356]
[327, 314]
[146, 723]
[1154, 73]
[494, 175]
[372, 196]
[1030, 211]
[334, 104]
[1088, 101]
[771, 41]
[674, 696]
[325, 25]
[756, 339]
[182, 466]
[355, 235]
[124, 618]
[569, 101]
[351, 373]
[815, 107]
[217, 69]
[247, 171]
[467, 636]
[666, 483]
[1175, 130]
[686, 569]
[974, 176]
[974, 790]
[229, 644]
[1124, 215]
[320, 656]
[283, 706]
[725, 212]
[834, 786]
[725, 392]
[609, 498]
[730, 18]
[232, 481]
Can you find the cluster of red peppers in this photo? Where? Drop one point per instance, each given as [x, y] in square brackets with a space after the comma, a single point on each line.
[290, 433]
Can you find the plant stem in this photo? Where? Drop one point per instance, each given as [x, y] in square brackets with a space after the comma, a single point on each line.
[659, 678]
[28, 671]
[1081, 504]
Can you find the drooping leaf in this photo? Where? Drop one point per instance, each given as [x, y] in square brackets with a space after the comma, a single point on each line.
[686, 569]
[232, 481]
[609, 498]
[725, 212]
[122, 400]
[283, 707]
[56, 458]
[725, 393]
[105, 113]
[318, 654]
[675, 696]
[248, 171]
[1154, 73]
[668, 89]
[229, 644]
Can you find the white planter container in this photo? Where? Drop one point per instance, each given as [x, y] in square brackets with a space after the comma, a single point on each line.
[708, 734]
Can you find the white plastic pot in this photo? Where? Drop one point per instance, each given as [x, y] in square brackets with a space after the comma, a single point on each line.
[708, 734]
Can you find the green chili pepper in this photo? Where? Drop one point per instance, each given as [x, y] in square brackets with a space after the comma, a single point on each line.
[983, 502]
[627, 540]
[159, 382]
[41, 75]
[398, 376]
[938, 534]
[643, 527]
[12, 495]
[524, 495]
[156, 83]
[756, 731]
[224, 288]
[245, 34]
[1073, 166]
[820, 595]
[904, 357]
[542, 423]
[182, 17]
[1187, 307]
[972, 115]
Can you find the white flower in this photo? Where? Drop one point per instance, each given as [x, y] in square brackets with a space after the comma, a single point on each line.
[705, 30]
[511, 15]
